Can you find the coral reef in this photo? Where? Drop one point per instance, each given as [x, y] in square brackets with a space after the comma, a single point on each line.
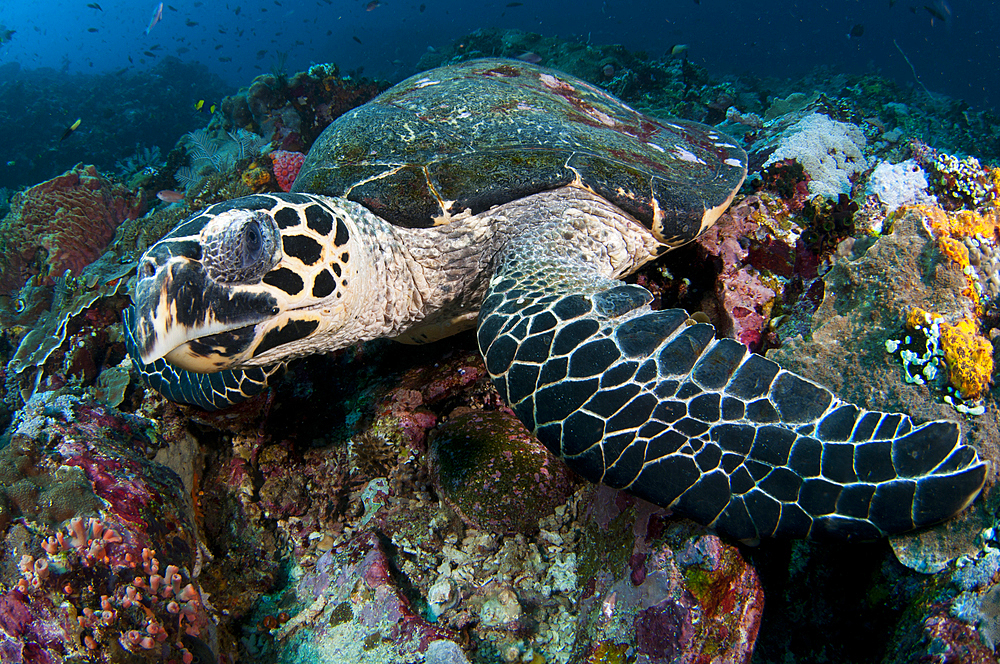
[788, 179]
[291, 112]
[969, 357]
[382, 504]
[828, 222]
[61, 224]
[107, 552]
[257, 177]
[958, 182]
[476, 455]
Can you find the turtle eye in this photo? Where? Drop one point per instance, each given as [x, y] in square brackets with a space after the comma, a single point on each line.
[240, 246]
[252, 243]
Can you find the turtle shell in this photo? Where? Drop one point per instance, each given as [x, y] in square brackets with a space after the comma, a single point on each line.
[460, 139]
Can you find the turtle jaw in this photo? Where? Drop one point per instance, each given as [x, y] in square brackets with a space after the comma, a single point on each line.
[194, 322]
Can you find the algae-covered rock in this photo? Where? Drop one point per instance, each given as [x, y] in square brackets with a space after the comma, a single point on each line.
[493, 472]
[867, 301]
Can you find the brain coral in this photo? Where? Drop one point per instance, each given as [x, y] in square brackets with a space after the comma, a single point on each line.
[70, 219]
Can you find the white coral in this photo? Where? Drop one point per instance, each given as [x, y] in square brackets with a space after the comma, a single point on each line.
[900, 184]
[829, 151]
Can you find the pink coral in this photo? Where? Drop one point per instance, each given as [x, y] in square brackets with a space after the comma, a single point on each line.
[741, 293]
[286, 167]
[71, 218]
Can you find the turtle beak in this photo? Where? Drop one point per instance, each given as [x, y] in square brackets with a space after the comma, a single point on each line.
[190, 320]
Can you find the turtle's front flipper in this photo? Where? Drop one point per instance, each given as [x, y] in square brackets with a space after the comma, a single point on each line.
[640, 400]
[209, 391]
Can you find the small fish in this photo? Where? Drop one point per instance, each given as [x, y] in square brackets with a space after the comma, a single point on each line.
[530, 56]
[677, 49]
[936, 12]
[70, 129]
[94, 5]
[199, 104]
[514, 4]
[155, 47]
[149, 53]
[189, 23]
[182, 50]
[356, 39]
[238, 10]
[261, 53]
[157, 15]
[422, 8]
[91, 29]
[372, 5]
[5, 35]
[172, 8]
[170, 196]
[856, 31]
[225, 59]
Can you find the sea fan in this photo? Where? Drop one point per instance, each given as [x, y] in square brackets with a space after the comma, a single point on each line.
[203, 148]
[250, 144]
[143, 158]
[186, 177]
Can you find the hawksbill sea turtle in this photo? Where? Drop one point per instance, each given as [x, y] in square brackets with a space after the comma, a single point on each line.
[517, 196]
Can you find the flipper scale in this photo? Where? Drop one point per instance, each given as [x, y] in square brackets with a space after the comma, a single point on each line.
[716, 433]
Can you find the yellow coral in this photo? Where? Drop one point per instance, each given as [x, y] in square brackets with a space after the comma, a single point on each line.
[950, 228]
[609, 653]
[257, 177]
[961, 223]
[969, 357]
[954, 250]
[920, 318]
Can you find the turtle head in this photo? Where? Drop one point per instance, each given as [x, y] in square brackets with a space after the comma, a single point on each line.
[248, 282]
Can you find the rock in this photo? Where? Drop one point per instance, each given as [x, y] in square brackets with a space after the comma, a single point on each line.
[496, 475]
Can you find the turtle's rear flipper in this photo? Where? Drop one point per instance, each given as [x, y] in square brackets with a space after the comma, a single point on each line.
[642, 401]
[209, 391]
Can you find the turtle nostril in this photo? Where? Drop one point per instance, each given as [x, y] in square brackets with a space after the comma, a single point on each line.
[147, 269]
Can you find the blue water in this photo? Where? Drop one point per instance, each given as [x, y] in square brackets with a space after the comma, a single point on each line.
[239, 39]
